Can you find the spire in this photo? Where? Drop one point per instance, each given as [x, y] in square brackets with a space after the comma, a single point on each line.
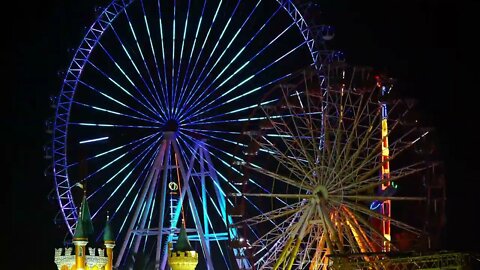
[84, 222]
[107, 232]
[79, 230]
[182, 243]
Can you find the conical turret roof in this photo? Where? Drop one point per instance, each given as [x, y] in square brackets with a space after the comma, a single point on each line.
[107, 232]
[182, 243]
[84, 227]
[79, 231]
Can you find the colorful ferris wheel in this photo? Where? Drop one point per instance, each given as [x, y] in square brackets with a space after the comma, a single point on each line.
[152, 107]
[329, 162]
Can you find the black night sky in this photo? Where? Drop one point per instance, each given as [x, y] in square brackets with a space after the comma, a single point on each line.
[415, 41]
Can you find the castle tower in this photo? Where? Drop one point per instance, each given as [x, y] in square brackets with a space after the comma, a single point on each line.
[80, 260]
[182, 256]
[83, 230]
[109, 242]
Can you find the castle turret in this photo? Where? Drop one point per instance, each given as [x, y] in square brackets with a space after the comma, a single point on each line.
[96, 259]
[109, 242]
[182, 256]
[80, 240]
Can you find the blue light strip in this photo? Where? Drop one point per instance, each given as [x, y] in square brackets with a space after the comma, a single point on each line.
[126, 91]
[183, 89]
[115, 149]
[143, 58]
[173, 56]
[202, 97]
[203, 46]
[164, 64]
[142, 156]
[116, 101]
[157, 101]
[154, 58]
[110, 125]
[200, 111]
[213, 50]
[130, 81]
[249, 78]
[230, 43]
[113, 161]
[239, 110]
[251, 119]
[125, 218]
[114, 112]
[93, 140]
[181, 56]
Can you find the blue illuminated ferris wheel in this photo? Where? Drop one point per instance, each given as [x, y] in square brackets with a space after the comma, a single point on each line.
[151, 109]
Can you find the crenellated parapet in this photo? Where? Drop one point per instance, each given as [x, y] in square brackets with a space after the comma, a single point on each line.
[64, 257]
[182, 260]
[95, 258]
[185, 255]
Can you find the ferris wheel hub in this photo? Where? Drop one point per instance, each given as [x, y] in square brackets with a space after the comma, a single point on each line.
[321, 193]
[171, 125]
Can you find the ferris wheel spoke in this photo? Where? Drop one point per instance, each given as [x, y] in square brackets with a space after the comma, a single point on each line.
[111, 125]
[237, 110]
[290, 250]
[113, 112]
[302, 149]
[172, 87]
[365, 210]
[183, 88]
[212, 147]
[202, 109]
[358, 237]
[134, 35]
[148, 107]
[286, 180]
[395, 175]
[326, 217]
[213, 50]
[141, 156]
[287, 156]
[134, 201]
[177, 101]
[122, 70]
[271, 244]
[378, 198]
[291, 162]
[116, 101]
[370, 155]
[155, 98]
[353, 134]
[399, 145]
[381, 238]
[274, 214]
[163, 86]
[229, 44]
[201, 120]
[202, 97]
[114, 149]
[120, 156]
[201, 49]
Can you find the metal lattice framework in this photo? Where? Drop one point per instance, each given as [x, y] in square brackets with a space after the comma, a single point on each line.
[146, 68]
[318, 152]
[405, 262]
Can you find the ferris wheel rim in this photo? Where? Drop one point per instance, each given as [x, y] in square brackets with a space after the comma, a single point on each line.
[72, 78]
